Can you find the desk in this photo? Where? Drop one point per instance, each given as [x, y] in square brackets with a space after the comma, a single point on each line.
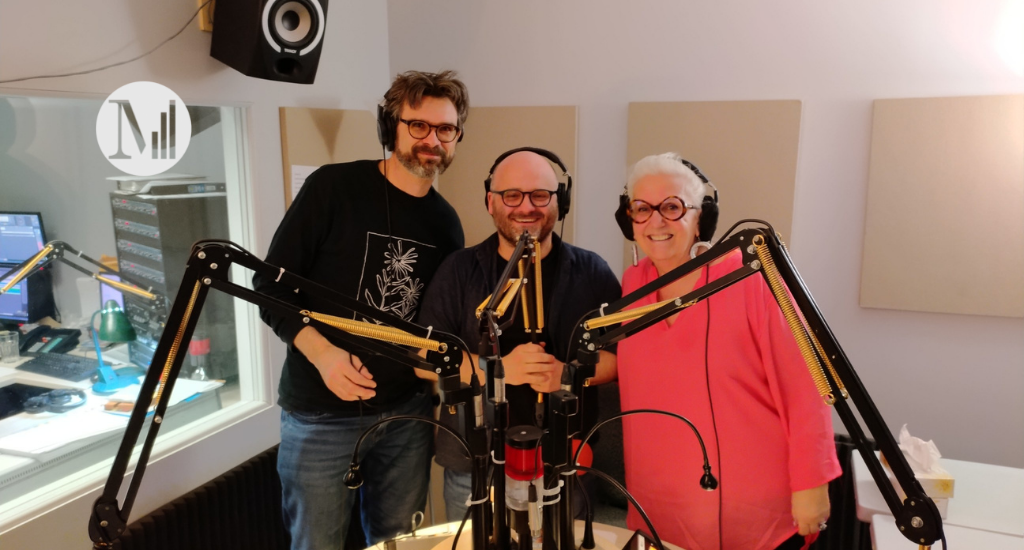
[985, 497]
[439, 537]
[21, 474]
[886, 536]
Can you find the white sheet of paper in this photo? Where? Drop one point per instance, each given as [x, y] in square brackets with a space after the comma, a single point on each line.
[299, 175]
[61, 430]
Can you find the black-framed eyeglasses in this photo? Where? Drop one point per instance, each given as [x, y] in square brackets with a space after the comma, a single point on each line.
[514, 197]
[672, 208]
[419, 129]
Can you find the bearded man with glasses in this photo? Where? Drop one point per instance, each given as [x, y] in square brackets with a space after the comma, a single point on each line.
[376, 230]
[522, 195]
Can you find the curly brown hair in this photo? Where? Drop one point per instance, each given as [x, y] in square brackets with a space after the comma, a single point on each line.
[412, 86]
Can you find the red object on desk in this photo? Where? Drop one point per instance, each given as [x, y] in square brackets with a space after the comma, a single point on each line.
[199, 347]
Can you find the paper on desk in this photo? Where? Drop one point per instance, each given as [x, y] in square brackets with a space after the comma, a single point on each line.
[60, 430]
[183, 389]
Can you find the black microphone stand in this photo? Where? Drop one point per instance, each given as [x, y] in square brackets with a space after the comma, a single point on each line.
[490, 358]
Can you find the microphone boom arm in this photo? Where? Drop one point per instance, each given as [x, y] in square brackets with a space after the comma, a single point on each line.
[207, 268]
[56, 251]
[764, 252]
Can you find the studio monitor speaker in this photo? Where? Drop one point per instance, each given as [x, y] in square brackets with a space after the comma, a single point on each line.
[272, 39]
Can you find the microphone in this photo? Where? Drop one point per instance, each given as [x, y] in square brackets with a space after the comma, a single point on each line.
[353, 479]
[708, 481]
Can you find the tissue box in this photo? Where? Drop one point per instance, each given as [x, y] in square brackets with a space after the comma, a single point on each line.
[937, 484]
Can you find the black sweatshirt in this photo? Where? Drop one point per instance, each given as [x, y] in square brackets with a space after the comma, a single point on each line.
[351, 230]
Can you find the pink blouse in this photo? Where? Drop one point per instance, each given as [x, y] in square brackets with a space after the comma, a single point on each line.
[774, 433]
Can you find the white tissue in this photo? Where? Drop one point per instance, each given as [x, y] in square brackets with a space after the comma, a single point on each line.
[923, 456]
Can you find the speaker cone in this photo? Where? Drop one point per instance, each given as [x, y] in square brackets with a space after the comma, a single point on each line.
[294, 23]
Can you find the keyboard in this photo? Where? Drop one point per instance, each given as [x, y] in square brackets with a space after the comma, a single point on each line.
[74, 368]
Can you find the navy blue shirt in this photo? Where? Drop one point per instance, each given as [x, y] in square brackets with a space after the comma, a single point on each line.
[581, 282]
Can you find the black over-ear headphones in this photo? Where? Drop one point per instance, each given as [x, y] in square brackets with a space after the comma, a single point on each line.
[387, 128]
[387, 125]
[564, 191]
[706, 225]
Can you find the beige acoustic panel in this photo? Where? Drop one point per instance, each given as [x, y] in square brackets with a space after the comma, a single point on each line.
[748, 149]
[314, 137]
[945, 215]
[490, 131]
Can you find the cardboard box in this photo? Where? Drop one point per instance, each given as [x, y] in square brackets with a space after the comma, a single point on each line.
[937, 484]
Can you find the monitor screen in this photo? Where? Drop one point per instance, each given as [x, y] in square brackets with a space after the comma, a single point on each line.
[108, 292]
[21, 236]
[14, 302]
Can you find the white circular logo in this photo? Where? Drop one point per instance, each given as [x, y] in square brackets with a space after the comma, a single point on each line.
[143, 128]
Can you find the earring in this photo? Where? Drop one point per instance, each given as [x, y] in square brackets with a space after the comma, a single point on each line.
[636, 260]
[696, 246]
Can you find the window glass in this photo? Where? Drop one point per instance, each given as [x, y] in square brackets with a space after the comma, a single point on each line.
[61, 414]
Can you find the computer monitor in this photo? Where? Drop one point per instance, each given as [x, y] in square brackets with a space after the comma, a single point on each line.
[28, 301]
[21, 236]
[14, 303]
[108, 292]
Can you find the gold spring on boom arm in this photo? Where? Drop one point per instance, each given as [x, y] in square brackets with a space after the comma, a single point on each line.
[176, 345]
[29, 266]
[805, 340]
[628, 315]
[378, 332]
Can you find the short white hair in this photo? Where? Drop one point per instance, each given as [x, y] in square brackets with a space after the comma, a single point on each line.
[669, 164]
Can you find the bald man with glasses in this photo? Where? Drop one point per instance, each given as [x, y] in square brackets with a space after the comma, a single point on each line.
[523, 197]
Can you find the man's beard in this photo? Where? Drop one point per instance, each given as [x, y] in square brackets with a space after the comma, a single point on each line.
[426, 170]
[511, 232]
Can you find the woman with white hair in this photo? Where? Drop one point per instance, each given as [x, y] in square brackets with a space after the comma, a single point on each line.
[730, 365]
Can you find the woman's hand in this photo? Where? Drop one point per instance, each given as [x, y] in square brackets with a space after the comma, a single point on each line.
[811, 509]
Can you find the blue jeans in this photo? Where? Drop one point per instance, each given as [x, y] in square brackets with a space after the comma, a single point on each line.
[314, 456]
[457, 488]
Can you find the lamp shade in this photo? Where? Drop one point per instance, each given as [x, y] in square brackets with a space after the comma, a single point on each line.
[114, 326]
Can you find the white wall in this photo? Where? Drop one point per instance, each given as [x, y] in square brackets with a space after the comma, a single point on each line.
[54, 36]
[955, 379]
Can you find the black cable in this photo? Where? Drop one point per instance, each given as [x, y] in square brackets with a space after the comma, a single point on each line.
[465, 517]
[354, 466]
[623, 414]
[743, 221]
[589, 514]
[175, 35]
[643, 515]
[714, 424]
[572, 336]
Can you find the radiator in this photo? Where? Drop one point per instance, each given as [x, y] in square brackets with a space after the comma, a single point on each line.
[238, 510]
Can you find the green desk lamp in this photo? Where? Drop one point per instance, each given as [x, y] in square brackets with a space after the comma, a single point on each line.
[114, 327]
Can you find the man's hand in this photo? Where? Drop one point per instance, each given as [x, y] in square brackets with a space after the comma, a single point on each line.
[342, 372]
[530, 364]
[811, 509]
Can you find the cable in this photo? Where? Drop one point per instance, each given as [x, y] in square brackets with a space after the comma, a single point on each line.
[643, 515]
[572, 336]
[714, 424]
[465, 517]
[175, 35]
[743, 221]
